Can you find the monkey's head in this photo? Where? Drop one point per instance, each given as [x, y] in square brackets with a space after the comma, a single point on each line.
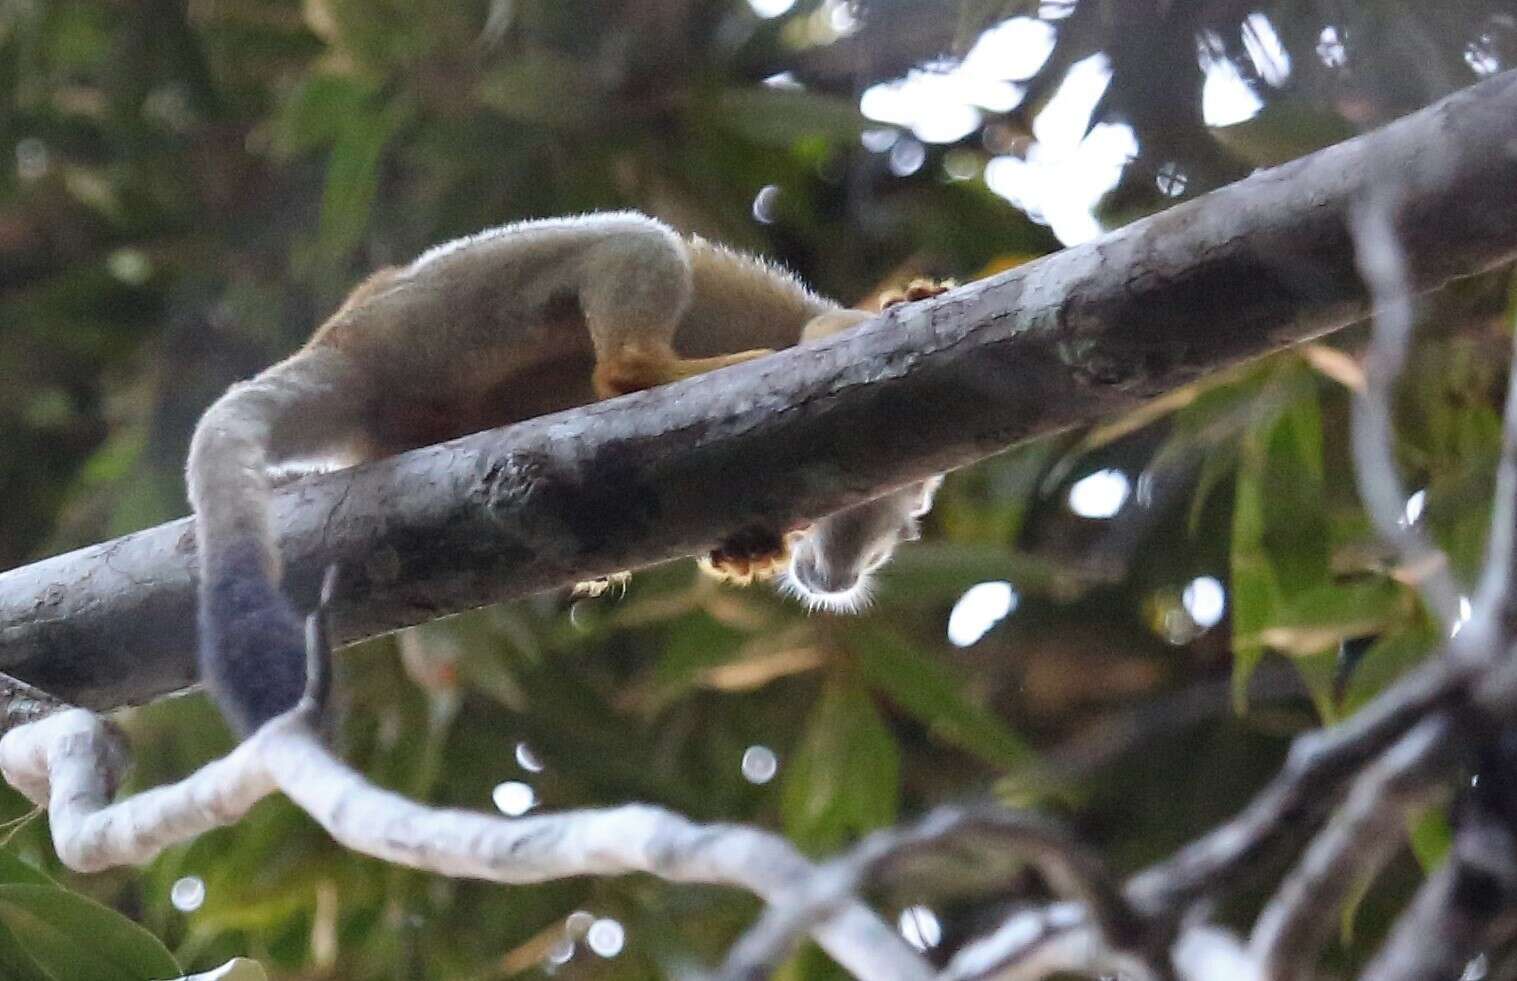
[831, 564]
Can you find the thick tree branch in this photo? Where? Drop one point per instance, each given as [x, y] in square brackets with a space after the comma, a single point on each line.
[1078, 335]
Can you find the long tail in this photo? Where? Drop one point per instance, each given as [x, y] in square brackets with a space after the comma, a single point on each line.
[252, 639]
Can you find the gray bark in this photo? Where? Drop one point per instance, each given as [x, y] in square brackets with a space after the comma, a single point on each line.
[1076, 336]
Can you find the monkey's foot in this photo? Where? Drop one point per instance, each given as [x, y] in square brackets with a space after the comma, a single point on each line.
[751, 555]
[917, 289]
[635, 369]
[593, 588]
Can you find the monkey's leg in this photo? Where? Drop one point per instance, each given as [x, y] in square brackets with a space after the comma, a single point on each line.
[252, 640]
[634, 368]
[634, 288]
[758, 553]
[755, 554]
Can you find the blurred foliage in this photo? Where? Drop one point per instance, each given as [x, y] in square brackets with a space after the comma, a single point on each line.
[187, 186]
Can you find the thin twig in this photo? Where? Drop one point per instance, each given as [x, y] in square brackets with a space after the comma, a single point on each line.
[1461, 909]
[1068, 866]
[1290, 807]
[1362, 836]
[1382, 263]
[1299, 797]
[1466, 908]
[20, 703]
[1046, 941]
[1495, 604]
[1056, 940]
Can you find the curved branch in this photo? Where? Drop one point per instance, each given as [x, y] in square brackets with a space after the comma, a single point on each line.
[1295, 802]
[70, 762]
[1363, 835]
[1464, 908]
[1383, 264]
[1073, 870]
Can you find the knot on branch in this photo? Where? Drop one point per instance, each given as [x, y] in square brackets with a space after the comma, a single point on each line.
[511, 482]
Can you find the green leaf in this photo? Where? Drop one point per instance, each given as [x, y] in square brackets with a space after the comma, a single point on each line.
[928, 690]
[16, 964]
[319, 110]
[1452, 440]
[1253, 584]
[934, 573]
[236, 969]
[69, 936]
[987, 506]
[782, 117]
[1295, 524]
[1281, 541]
[1216, 466]
[1318, 672]
[1386, 660]
[808, 963]
[13, 869]
[547, 89]
[1284, 130]
[844, 778]
[352, 179]
[1324, 615]
[700, 644]
[1432, 836]
[1210, 426]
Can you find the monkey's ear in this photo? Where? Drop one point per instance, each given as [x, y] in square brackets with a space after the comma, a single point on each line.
[929, 490]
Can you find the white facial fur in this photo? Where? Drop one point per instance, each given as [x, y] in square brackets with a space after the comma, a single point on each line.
[831, 566]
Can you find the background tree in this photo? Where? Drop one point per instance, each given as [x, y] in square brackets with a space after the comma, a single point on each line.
[1095, 622]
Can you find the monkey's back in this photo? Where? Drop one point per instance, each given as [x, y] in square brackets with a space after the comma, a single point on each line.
[491, 329]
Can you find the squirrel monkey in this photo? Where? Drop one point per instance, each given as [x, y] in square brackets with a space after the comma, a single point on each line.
[490, 329]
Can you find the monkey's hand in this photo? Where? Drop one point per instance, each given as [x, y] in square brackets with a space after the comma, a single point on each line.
[751, 555]
[917, 289]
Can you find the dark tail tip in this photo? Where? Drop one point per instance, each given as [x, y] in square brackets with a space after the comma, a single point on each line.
[252, 645]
